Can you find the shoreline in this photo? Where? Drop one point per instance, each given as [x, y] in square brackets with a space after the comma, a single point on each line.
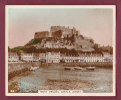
[86, 81]
[14, 82]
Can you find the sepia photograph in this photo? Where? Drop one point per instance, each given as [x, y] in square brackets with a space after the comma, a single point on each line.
[60, 50]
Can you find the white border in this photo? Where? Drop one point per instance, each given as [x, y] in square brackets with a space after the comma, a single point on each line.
[60, 6]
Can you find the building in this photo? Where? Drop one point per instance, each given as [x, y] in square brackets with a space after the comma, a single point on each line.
[93, 57]
[107, 57]
[35, 57]
[96, 57]
[58, 44]
[57, 34]
[39, 57]
[13, 57]
[69, 58]
[51, 44]
[41, 34]
[27, 57]
[82, 57]
[53, 57]
[86, 58]
[42, 57]
[66, 31]
[57, 57]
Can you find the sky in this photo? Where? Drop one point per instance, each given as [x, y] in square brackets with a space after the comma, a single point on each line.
[94, 23]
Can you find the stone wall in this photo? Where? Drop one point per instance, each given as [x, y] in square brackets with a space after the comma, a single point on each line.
[15, 69]
[65, 30]
[42, 34]
[57, 34]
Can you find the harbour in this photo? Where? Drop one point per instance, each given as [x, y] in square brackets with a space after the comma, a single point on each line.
[55, 77]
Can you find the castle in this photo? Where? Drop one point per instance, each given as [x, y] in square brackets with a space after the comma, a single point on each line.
[57, 32]
[41, 34]
[64, 37]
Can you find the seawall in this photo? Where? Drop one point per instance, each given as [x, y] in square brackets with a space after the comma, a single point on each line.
[15, 69]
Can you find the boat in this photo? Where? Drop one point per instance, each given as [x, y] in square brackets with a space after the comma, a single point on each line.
[90, 68]
[34, 68]
[67, 68]
[78, 68]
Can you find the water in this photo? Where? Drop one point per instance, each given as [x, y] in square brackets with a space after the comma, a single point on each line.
[32, 83]
[102, 78]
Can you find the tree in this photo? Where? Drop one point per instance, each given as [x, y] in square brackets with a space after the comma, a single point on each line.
[30, 49]
[97, 49]
[18, 49]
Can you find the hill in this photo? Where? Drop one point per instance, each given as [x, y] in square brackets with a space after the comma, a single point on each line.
[63, 39]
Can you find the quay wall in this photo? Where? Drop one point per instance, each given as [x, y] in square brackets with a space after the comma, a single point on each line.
[15, 69]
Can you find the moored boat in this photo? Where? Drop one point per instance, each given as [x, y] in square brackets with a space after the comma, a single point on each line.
[68, 68]
[78, 68]
[34, 68]
[90, 68]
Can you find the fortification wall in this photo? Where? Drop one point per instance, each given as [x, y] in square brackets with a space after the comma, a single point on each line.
[42, 34]
[65, 30]
[57, 34]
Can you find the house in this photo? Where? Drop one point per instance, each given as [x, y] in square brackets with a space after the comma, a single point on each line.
[107, 57]
[91, 57]
[52, 57]
[42, 57]
[13, 57]
[27, 57]
[51, 44]
[35, 57]
[70, 58]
